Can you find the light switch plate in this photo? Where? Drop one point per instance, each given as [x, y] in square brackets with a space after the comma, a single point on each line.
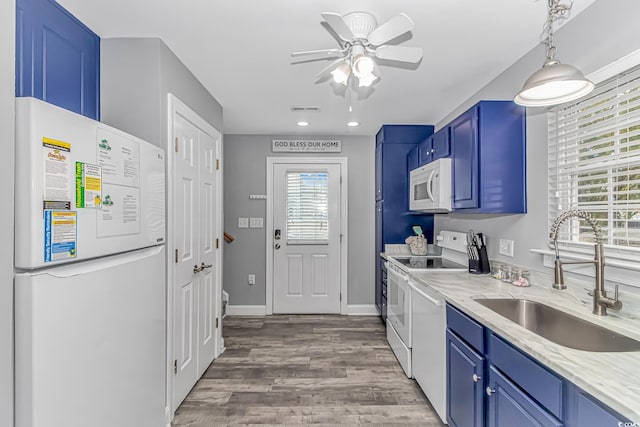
[506, 247]
[251, 279]
[256, 222]
[243, 222]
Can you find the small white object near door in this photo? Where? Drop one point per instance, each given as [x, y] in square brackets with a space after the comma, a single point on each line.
[306, 237]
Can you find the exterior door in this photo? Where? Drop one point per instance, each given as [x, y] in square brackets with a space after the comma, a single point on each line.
[196, 283]
[306, 238]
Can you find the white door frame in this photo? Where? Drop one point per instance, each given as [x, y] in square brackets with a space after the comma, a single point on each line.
[175, 106]
[342, 161]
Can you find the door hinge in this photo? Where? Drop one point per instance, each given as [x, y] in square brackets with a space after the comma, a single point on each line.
[216, 323]
[340, 297]
[340, 179]
[175, 367]
[217, 164]
[176, 144]
[176, 256]
[217, 243]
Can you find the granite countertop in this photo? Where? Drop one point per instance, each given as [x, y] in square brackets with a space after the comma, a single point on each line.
[613, 378]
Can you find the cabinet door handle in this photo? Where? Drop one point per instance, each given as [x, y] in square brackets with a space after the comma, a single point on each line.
[490, 391]
[476, 378]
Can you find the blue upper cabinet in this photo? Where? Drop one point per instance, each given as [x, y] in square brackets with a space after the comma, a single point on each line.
[434, 147]
[57, 57]
[488, 148]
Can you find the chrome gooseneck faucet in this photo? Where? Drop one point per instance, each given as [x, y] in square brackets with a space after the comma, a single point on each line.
[600, 299]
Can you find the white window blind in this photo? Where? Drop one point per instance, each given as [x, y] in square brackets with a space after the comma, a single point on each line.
[594, 163]
[307, 207]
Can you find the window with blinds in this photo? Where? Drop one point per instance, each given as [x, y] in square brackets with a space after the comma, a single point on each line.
[307, 207]
[594, 162]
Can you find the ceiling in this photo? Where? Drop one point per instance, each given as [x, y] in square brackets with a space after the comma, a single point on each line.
[239, 50]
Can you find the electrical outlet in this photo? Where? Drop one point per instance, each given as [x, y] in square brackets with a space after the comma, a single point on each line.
[252, 279]
[506, 247]
[256, 222]
[243, 222]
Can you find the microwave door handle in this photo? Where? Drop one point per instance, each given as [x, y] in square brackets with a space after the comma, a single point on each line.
[430, 186]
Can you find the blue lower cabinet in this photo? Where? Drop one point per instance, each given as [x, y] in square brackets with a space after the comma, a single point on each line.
[508, 406]
[516, 391]
[588, 412]
[465, 387]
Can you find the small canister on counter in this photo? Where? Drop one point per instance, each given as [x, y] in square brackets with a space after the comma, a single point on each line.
[496, 269]
[505, 273]
[523, 279]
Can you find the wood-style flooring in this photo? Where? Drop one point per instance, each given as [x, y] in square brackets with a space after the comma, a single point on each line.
[305, 369]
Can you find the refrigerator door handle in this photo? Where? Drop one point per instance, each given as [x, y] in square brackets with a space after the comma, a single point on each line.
[96, 264]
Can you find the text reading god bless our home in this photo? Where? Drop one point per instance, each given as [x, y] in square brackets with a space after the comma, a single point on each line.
[299, 145]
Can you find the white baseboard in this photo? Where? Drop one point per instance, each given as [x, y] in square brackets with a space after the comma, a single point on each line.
[362, 310]
[246, 310]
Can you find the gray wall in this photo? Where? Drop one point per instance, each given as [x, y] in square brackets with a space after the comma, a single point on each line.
[136, 76]
[245, 173]
[7, 92]
[604, 32]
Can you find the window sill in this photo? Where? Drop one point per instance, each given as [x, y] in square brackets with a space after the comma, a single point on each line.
[616, 270]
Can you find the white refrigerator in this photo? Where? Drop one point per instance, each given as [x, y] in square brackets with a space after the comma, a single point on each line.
[90, 273]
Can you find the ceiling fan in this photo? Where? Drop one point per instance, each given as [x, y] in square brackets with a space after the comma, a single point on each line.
[362, 41]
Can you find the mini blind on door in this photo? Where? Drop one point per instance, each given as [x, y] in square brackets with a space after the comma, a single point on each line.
[307, 207]
[594, 161]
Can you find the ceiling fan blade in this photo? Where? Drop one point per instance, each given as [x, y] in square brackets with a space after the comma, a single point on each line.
[319, 54]
[391, 29]
[326, 70]
[400, 53]
[337, 24]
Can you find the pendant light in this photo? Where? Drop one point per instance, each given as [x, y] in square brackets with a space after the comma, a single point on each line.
[554, 83]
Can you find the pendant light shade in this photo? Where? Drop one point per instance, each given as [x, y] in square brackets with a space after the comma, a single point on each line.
[554, 83]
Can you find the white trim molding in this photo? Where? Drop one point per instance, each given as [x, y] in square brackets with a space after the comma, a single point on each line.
[362, 310]
[246, 310]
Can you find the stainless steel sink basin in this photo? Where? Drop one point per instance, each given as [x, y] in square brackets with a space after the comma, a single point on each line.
[559, 327]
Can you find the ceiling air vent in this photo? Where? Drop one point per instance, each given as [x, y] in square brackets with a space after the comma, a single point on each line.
[305, 108]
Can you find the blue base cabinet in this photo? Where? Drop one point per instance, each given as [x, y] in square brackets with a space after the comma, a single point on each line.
[57, 58]
[509, 406]
[465, 391]
[394, 222]
[488, 149]
[491, 383]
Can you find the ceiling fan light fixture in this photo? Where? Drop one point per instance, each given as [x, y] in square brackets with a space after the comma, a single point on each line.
[554, 83]
[341, 73]
[366, 81]
[363, 66]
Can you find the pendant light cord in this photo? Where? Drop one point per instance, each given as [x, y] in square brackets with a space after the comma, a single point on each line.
[557, 11]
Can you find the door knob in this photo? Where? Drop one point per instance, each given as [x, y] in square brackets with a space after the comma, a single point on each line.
[276, 234]
[197, 269]
[277, 246]
[476, 378]
[203, 266]
[490, 391]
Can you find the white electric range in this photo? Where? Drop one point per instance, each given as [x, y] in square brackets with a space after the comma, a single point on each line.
[421, 351]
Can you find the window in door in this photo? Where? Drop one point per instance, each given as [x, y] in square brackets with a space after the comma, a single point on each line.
[307, 207]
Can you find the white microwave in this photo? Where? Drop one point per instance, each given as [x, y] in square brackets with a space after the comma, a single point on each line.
[430, 187]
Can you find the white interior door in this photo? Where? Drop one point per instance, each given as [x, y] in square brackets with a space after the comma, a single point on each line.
[207, 284]
[196, 227]
[306, 238]
[186, 239]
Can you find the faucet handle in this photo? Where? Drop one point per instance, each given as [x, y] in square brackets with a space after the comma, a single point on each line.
[616, 304]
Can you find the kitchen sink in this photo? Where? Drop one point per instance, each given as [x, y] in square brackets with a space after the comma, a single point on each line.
[559, 327]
